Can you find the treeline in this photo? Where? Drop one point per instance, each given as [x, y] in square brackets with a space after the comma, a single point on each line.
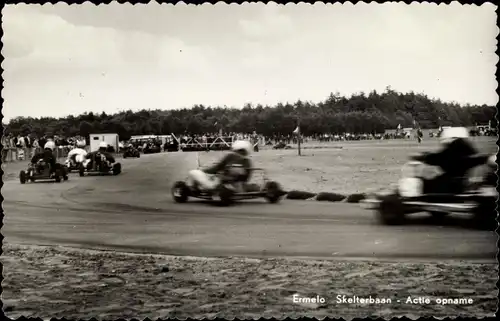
[361, 113]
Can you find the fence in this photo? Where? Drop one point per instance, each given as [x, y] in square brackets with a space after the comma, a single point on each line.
[213, 143]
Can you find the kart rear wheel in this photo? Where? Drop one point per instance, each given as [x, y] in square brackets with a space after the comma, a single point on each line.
[390, 210]
[180, 192]
[57, 176]
[22, 177]
[485, 215]
[273, 192]
[223, 196]
[117, 169]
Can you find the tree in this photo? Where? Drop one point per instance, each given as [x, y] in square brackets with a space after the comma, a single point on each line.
[337, 114]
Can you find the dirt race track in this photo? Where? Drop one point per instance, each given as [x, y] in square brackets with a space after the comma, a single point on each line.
[134, 212]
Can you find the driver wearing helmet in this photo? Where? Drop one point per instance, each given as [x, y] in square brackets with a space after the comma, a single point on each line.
[455, 158]
[99, 155]
[235, 167]
[77, 155]
[47, 155]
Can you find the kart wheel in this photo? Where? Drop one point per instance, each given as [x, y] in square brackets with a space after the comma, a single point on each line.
[117, 169]
[124, 155]
[485, 215]
[180, 192]
[81, 170]
[223, 196]
[22, 177]
[438, 215]
[273, 192]
[390, 210]
[57, 176]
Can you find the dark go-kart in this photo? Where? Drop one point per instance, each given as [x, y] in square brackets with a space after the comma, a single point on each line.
[152, 149]
[42, 171]
[230, 191]
[103, 167]
[477, 198]
[131, 152]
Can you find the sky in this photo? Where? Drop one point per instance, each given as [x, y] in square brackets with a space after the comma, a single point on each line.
[62, 60]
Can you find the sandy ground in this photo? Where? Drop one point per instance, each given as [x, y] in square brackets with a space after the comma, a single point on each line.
[55, 282]
[343, 167]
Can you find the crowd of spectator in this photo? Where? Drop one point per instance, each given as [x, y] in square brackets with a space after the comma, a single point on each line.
[25, 146]
[20, 147]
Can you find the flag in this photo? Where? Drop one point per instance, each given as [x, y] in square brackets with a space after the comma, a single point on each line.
[399, 126]
[297, 130]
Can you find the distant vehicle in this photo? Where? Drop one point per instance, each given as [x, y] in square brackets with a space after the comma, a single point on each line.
[102, 167]
[130, 151]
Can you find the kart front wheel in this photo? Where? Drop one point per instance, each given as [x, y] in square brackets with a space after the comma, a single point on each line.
[180, 192]
[390, 210]
[81, 170]
[22, 177]
[273, 192]
[65, 173]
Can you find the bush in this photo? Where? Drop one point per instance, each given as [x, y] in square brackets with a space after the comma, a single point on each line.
[356, 198]
[299, 195]
[330, 197]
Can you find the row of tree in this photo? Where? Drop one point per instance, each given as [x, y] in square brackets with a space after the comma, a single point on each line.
[361, 113]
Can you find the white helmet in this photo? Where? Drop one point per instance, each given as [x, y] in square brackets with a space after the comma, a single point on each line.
[492, 160]
[103, 145]
[242, 145]
[451, 133]
[50, 145]
[80, 143]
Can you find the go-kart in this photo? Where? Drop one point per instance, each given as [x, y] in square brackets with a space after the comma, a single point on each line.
[229, 191]
[42, 171]
[152, 149]
[131, 152]
[410, 196]
[101, 167]
[73, 163]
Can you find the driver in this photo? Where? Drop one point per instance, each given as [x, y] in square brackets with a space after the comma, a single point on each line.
[454, 159]
[103, 146]
[47, 155]
[235, 167]
[77, 155]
